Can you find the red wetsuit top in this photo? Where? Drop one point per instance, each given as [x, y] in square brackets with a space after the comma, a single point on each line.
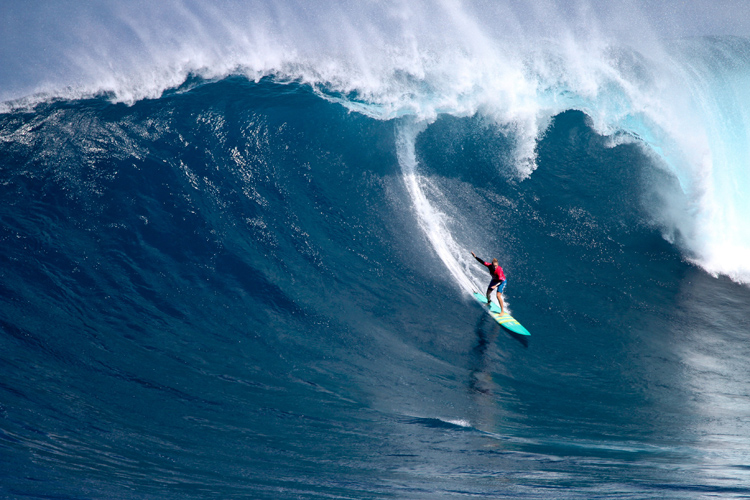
[497, 273]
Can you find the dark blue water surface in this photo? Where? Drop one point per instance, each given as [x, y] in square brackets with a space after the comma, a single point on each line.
[225, 293]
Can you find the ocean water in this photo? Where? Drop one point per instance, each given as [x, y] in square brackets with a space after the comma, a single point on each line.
[235, 250]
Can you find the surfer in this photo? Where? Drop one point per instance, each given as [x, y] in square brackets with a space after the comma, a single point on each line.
[497, 283]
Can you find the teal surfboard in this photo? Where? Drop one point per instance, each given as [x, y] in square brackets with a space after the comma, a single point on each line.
[505, 320]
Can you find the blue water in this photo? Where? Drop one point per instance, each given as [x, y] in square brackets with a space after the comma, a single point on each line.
[248, 285]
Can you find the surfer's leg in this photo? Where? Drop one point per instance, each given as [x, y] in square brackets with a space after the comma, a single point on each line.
[489, 295]
[500, 287]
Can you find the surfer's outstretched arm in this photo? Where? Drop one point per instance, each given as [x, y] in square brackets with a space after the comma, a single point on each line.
[481, 261]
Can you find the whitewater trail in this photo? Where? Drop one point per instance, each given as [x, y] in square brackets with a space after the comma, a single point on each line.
[432, 221]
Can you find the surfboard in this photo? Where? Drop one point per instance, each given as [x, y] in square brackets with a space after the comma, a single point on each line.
[505, 320]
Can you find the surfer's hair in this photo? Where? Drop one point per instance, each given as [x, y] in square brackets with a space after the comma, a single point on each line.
[494, 261]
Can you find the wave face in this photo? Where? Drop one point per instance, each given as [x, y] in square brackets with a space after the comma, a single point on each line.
[235, 252]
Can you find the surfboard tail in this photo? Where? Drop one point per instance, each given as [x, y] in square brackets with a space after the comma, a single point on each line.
[505, 319]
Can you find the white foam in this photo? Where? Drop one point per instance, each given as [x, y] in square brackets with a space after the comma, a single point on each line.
[432, 221]
[457, 422]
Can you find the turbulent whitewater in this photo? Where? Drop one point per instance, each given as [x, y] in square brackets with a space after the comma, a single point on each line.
[236, 247]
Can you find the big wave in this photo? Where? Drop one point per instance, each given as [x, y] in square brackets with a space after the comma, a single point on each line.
[517, 65]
